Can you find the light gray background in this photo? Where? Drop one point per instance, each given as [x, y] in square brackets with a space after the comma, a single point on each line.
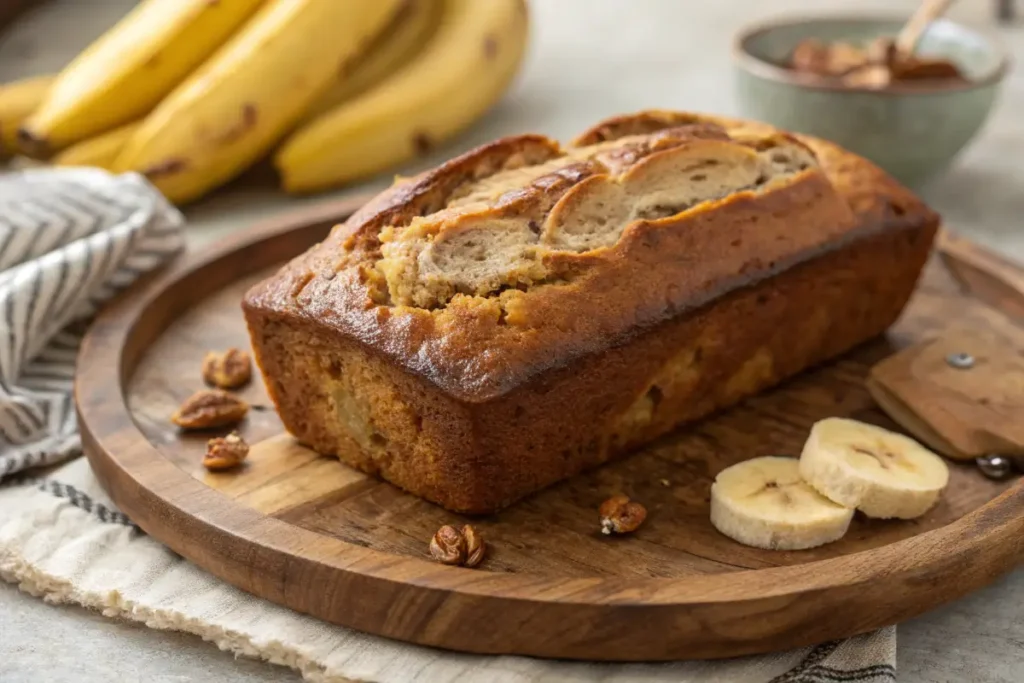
[588, 59]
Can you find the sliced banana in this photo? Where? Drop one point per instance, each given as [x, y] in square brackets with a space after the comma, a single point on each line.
[880, 473]
[764, 503]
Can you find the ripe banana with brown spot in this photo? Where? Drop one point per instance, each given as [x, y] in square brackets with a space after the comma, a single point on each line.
[880, 473]
[765, 503]
[18, 99]
[405, 36]
[131, 67]
[464, 69]
[232, 110]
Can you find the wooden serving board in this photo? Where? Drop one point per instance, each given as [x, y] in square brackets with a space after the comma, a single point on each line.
[309, 533]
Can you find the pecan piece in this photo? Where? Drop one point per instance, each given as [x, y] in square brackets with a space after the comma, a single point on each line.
[223, 453]
[228, 370]
[452, 546]
[621, 515]
[475, 546]
[209, 408]
[448, 546]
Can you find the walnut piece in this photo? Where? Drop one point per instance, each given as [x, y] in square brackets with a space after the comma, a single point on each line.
[452, 546]
[621, 515]
[228, 370]
[209, 408]
[223, 453]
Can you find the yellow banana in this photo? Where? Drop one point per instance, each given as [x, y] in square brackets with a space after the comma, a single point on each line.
[404, 36]
[18, 100]
[240, 102]
[133, 66]
[461, 73]
[100, 151]
[401, 40]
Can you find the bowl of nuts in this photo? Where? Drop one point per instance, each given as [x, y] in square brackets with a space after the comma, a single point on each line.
[847, 80]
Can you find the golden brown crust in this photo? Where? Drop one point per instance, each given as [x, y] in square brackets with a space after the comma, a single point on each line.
[345, 400]
[475, 400]
[429, 191]
[476, 348]
[642, 123]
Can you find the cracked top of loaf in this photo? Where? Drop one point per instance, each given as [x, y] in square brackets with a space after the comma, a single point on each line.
[521, 255]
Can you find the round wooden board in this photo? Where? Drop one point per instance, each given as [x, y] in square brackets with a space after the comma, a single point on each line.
[309, 533]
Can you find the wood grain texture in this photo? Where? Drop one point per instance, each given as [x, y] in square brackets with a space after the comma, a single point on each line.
[308, 533]
[983, 273]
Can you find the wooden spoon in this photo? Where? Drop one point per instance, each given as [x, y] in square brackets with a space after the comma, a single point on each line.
[927, 12]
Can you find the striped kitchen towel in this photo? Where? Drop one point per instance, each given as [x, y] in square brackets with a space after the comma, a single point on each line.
[69, 240]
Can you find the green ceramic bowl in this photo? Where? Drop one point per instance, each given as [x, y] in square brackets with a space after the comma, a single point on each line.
[912, 130]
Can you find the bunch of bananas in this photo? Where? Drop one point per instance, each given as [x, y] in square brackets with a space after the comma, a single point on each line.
[191, 93]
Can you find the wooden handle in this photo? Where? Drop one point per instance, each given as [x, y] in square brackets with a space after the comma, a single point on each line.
[1005, 11]
[960, 412]
[984, 274]
[927, 12]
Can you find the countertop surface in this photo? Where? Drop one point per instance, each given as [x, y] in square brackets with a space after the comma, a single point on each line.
[588, 59]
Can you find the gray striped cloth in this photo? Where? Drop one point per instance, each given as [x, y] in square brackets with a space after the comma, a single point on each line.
[70, 239]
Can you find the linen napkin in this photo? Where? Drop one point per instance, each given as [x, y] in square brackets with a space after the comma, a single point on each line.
[69, 240]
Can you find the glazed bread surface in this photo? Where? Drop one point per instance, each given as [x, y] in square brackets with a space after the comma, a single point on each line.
[526, 311]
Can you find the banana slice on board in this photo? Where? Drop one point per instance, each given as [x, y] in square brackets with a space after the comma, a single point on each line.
[880, 473]
[764, 503]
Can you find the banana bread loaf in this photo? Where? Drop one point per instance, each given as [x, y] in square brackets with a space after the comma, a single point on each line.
[524, 311]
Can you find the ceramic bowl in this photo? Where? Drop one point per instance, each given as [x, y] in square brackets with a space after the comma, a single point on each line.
[912, 130]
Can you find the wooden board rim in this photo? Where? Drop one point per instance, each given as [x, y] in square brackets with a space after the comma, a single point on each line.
[175, 508]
